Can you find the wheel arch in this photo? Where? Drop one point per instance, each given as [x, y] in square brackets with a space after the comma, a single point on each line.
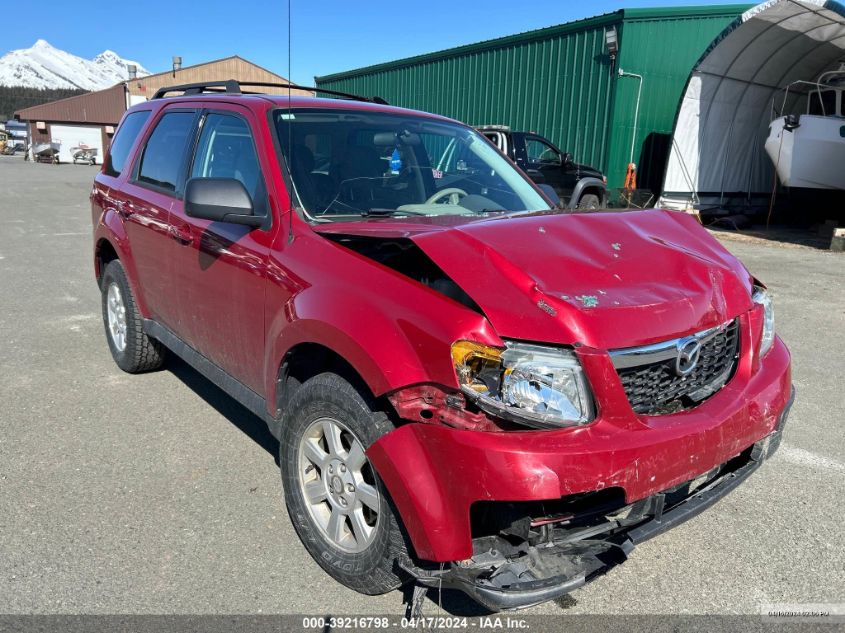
[585, 186]
[111, 243]
[307, 359]
[104, 252]
[308, 347]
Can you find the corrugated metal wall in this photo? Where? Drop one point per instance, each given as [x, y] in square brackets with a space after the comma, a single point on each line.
[555, 81]
[662, 46]
[559, 82]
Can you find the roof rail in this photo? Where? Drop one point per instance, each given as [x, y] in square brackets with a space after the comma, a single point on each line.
[233, 86]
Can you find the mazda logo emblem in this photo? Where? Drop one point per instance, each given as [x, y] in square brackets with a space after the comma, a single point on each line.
[689, 351]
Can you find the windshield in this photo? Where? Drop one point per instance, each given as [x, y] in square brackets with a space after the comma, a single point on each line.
[347, 164]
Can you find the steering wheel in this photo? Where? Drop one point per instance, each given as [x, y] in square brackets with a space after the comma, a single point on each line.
[453, 193]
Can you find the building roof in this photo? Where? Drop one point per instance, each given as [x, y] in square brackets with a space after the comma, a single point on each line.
[104, 107]
[604, 19]
[183, 69]
[233, 67]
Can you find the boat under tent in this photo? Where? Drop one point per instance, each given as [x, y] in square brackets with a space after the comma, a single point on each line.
[808, 148]
[774, 74]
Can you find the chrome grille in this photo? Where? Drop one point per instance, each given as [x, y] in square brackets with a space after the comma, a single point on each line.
[652, 377]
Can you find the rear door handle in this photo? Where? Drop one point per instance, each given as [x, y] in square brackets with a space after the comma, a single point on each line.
[124, 207]
[182, 235]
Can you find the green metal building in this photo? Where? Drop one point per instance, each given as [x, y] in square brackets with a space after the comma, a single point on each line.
[562, 83]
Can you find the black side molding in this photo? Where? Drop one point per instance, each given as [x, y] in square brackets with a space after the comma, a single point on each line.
[225, 381]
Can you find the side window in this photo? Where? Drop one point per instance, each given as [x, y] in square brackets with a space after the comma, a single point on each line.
[226, 150]
[164, 154]
[824, 107]
[124, 140]
[541, 153]
[498, 139]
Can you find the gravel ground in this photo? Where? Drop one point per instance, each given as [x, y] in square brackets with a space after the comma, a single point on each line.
[159, 494]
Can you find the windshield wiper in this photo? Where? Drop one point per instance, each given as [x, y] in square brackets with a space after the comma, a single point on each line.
[516, 214]
[385, 213]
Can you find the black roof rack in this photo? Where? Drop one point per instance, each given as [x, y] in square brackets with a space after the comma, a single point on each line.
[233, 86]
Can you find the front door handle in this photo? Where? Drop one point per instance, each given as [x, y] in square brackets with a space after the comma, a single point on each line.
[182, 235]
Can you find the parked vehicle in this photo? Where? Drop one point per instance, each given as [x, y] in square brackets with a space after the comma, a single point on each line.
[84, 154]
[471, 388]
[11, 148]
[577, 186]
[808, 149]
[46, 152]
[46, 148]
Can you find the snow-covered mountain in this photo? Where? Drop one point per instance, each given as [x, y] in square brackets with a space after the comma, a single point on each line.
[43, 66]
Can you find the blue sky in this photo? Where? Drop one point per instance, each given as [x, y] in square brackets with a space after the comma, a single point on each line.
[328, 35]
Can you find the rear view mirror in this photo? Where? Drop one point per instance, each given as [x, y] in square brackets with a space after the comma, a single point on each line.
[567, 158]
[387, 139]
[220, 200]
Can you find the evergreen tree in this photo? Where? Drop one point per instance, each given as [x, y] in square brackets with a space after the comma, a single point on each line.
[14, 98]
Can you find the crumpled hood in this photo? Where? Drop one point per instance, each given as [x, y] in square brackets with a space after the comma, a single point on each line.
[607, 280]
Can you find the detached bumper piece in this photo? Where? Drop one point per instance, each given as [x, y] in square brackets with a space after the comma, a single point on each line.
[540, 574]
[532, 560]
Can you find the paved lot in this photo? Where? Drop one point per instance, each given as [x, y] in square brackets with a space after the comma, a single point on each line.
[158, 494]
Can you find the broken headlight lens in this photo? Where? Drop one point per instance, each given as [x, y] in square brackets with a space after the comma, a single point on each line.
[764, 298]
[532, 384]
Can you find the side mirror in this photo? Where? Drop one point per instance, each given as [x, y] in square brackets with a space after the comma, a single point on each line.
[551, 194]
[567, 158]
[220, 200]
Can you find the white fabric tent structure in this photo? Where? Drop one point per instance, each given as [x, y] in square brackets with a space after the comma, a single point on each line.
[723, 120]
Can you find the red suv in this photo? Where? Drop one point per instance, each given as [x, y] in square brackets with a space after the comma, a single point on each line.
[470, 388]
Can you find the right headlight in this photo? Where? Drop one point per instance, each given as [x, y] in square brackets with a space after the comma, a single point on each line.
[764, 298]
[535, 385]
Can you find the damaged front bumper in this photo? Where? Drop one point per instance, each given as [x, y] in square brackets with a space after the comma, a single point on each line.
[507, 573]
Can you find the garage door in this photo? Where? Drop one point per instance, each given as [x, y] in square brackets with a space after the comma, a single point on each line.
[73, 136]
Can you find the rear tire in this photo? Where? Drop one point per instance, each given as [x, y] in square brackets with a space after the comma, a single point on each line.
[132, 350]
[589, 201]
[340, 509]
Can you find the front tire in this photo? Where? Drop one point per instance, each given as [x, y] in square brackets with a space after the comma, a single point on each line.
[589, 201]
[132, 350]
[339, 507]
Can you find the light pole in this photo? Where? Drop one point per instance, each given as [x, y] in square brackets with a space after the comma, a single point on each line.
[623, 73]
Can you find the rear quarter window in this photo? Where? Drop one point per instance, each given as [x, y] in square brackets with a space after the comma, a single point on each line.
[163, 158]
[123, 141]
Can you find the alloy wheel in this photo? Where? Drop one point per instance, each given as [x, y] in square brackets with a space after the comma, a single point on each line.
[116, 312]
[338, 485]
